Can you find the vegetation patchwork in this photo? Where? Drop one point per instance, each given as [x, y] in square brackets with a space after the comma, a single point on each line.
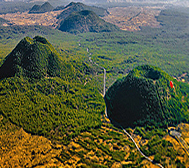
[59, 104]
[106, 146]
[56, 94]
[145, 97]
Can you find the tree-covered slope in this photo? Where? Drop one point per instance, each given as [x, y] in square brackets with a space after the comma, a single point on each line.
[46, 95]
[86, 21]
[144, 97]
[174, 20]
[34, 58]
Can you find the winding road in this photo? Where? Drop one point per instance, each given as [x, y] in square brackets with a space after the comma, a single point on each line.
[104, 92]
[147, 158]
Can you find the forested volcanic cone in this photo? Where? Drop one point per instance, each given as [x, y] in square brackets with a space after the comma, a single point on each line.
[86, 21]
[145, 97]
[32, 58]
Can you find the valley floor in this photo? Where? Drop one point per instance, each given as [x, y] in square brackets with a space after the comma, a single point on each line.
[132, 18]
[126, 18]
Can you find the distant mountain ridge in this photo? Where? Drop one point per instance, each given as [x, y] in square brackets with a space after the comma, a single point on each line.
[76, 7]
[86, 21]
[46, 7]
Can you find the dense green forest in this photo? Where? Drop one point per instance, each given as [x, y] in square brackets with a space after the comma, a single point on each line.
[62, 107]
[33, 58]
[45, 95]
[51, 107]
[145, 97]
[118, 52]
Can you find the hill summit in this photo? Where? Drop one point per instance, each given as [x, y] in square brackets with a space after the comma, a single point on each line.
[86, 21]
[33, 58]
[46, 7]
[145, 97]
[58, 103]
[77, 7]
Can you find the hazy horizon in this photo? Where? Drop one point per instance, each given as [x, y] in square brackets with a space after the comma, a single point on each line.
[173, 2]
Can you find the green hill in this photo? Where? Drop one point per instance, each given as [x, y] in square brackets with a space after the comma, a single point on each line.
[86, 21]
[76, 7]
[46, 7]
[45, 95]
[34, 58]
[144, 97]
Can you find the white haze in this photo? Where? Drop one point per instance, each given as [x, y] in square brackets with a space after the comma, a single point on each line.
[184, 3]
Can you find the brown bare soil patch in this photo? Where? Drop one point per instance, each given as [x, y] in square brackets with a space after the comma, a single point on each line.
[44, 19]
[132, 18]
[20, 149]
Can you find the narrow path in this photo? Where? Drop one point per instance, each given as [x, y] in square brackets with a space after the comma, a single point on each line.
[104, 92]
[147, 158]
[136, 145]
